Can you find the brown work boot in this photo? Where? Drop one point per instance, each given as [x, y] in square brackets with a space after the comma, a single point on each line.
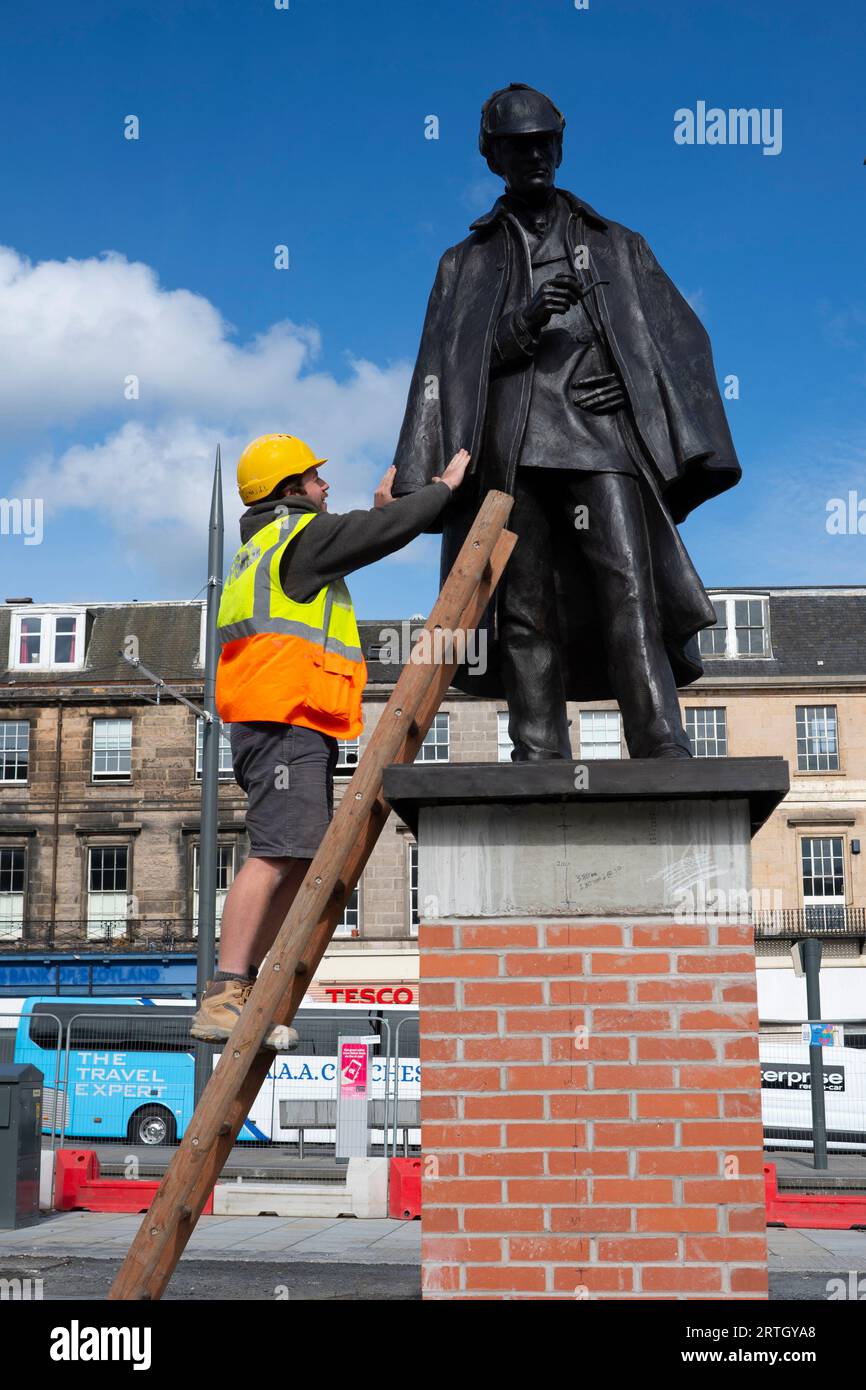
[220, 1009]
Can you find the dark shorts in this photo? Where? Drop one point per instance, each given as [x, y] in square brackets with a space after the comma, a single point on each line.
[287, 772]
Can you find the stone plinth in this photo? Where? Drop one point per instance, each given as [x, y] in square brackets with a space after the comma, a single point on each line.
[591, 1111]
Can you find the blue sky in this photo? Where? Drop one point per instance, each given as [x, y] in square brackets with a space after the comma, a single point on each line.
[305, 126]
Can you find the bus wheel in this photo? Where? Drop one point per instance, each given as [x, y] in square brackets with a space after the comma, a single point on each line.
[152, 1124]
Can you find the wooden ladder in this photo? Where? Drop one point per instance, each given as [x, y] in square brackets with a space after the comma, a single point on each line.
[306, 932]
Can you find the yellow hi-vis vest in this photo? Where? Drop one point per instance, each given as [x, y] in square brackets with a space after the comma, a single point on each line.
[287, 662]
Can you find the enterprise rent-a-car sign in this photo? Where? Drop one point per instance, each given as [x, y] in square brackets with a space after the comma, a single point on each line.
[778, 1076]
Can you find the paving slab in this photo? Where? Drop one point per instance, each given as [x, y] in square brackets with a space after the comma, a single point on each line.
[807, 1251]
[100, 1235]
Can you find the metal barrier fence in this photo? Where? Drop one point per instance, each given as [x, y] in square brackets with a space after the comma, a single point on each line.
[115, 1077]
[786, 1087]
[413, 1044]
[125, 1078]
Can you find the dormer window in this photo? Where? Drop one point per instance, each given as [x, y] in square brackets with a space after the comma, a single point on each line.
[741, 629]
[47, 640]
[713, 641]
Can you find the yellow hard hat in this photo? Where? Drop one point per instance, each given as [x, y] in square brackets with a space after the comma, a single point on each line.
[268, 460]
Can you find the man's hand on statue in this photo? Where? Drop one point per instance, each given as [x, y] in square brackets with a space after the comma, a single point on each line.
[453, 474]
[555, 296]
[599, 394]
[382, 495]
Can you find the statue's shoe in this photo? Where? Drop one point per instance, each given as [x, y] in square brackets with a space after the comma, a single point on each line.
[537, 755]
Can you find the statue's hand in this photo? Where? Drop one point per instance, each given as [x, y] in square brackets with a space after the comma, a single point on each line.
[599, 394]
[555, 296]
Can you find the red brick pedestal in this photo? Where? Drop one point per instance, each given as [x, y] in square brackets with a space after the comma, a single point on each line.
[591, 1111]
[591, 1105]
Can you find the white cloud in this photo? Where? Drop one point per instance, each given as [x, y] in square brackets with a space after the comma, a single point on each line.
[72, 331]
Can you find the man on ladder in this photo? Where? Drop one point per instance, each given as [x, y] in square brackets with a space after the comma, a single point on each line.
[290, 679]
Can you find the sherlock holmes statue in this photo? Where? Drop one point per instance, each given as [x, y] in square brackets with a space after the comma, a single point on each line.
[559, 353]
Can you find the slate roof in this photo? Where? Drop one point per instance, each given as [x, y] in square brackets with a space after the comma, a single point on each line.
[806, 626]
[168, 642]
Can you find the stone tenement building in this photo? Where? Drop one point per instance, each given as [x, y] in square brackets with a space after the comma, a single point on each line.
[100, 780]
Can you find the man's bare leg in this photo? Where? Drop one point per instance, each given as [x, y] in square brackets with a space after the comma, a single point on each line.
[283, 898]
[254, 910]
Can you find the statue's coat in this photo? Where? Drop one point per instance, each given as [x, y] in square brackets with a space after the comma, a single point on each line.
[663, 356]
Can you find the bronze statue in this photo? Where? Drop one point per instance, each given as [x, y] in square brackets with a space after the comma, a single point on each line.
[559, 353]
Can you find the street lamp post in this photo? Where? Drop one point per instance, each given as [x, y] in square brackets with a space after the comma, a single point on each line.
[211, 728]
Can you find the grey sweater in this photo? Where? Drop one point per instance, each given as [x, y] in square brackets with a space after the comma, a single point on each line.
[333, 546]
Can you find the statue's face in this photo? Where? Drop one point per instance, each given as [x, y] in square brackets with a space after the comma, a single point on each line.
[527, 163]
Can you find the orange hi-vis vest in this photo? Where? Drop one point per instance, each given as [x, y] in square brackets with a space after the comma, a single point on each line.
[282, 661]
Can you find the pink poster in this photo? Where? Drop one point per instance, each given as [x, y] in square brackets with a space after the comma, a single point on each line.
[353, 1069]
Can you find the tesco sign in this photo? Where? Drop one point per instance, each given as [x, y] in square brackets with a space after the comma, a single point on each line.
[368, 994]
